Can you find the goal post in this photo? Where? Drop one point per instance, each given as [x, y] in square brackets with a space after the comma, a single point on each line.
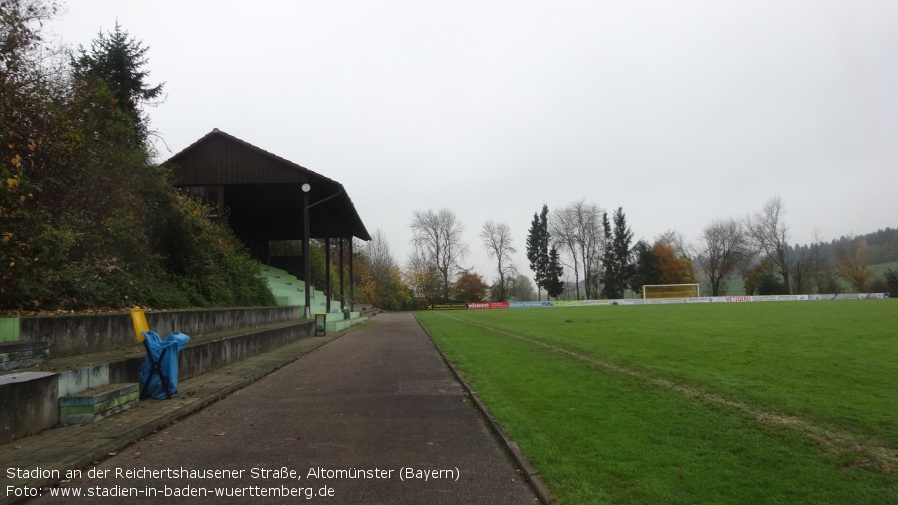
[669, 291]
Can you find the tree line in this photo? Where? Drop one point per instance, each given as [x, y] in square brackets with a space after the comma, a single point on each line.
[581, 251]
[757, 248]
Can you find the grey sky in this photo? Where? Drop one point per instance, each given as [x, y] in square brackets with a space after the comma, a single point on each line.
[680, 112]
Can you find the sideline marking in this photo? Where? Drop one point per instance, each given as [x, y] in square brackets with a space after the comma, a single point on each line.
[881, 456]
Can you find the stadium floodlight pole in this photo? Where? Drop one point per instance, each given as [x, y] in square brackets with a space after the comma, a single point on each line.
[307, 264]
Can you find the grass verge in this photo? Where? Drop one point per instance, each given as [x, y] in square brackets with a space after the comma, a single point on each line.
[605, 405]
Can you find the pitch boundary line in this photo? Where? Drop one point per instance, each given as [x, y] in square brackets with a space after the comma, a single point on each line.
[879, 455]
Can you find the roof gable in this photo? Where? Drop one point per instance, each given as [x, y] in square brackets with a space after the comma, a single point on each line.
[220, 158]
[267, 187]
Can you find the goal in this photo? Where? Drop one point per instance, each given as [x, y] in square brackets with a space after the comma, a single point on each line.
[669, 291]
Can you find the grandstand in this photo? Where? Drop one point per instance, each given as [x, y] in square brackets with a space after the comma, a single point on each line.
[267, 199]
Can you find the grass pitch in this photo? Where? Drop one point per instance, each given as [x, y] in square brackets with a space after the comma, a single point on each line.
[791, 402]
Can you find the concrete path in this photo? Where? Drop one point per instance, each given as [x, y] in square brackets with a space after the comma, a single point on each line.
[372, 417]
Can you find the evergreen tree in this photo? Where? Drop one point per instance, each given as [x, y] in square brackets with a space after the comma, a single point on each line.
[538, 247]
[554, 284]
[118, 60]
[619, 267]
[608, 264]
[644, 269]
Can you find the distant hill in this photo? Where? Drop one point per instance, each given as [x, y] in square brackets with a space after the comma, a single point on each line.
[882, 255]
[882, 246]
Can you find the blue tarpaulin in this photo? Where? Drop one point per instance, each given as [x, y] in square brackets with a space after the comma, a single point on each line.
[168, 366]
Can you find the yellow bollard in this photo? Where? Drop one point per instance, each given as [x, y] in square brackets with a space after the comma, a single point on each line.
[139, 319]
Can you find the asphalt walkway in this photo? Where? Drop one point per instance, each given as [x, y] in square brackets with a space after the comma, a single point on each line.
[374, 416]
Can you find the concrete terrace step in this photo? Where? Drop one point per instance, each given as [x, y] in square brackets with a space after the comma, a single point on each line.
[342, 324]
[336, 321]
[197, 357]
[80, 334]
[15, 355]
[60, 377]
[95, 404]
[290, 290]
[136, 349]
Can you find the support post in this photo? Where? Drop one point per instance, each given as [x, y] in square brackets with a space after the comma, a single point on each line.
[327, 274]
[305, 243]
[342, 297]
[351, 294]
[307, 266]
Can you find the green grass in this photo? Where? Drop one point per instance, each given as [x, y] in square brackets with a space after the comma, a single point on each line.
[705, 403]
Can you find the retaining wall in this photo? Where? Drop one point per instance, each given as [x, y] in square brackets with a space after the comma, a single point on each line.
[84, 334]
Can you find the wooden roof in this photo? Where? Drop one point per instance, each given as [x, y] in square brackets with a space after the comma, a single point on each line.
[263, 191]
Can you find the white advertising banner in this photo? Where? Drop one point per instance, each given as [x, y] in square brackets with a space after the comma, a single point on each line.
[524, 305]
[851, 296]
[581, 303]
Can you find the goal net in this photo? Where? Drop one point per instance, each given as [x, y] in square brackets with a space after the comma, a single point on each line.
[669, 291]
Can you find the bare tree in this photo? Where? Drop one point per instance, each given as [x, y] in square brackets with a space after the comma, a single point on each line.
[723, 251]
[821, 267]
[377, 250]
[852, 263]
[580, 235]
[563, 228]
[592, 246]
[676, 241]
[770, 236]
[800, 271]
[422, 276]
[437, 237]
[497, 240]
[382, 265]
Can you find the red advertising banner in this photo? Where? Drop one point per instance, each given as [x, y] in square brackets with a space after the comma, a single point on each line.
[488, 305]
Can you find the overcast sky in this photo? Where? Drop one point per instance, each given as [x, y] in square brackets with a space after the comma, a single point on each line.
[679, 112]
